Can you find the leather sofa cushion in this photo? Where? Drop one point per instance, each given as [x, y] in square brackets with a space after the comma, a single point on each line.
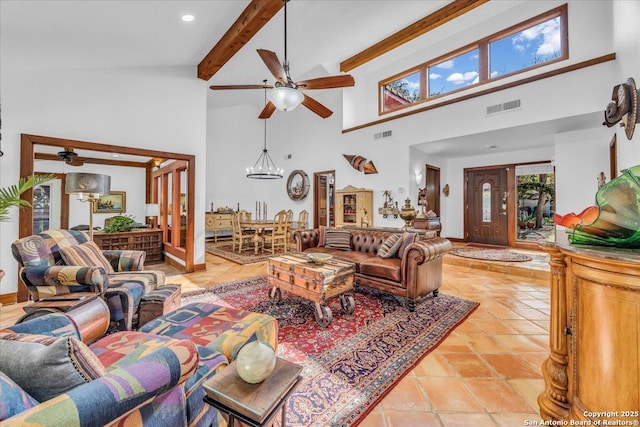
[386, 268]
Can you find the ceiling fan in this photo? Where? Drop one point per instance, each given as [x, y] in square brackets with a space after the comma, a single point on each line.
[287, 94]
[70, 157]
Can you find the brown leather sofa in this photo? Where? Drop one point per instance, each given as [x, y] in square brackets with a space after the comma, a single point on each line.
[415, 275]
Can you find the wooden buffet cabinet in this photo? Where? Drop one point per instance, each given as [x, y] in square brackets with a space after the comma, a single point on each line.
[594, 361]
[354, 206]
[149, 240]
[216, 222]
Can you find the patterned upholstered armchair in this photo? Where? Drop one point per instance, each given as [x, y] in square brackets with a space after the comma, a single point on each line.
[57, 262]
[142, 383]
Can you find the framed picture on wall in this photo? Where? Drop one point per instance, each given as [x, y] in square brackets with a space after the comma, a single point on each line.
[114, 202]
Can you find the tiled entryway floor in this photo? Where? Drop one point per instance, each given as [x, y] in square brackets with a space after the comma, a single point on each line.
[487, 372]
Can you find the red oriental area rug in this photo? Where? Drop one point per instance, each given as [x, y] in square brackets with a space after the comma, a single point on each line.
[350, 365]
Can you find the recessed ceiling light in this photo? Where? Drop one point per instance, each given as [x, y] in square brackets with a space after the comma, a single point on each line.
[188, 18]
[115, 155]
[490, 147]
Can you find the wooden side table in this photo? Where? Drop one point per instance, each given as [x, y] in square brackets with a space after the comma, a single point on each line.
[253, 404]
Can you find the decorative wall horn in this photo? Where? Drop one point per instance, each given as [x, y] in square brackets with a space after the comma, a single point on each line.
[624, 107]
[361, 164]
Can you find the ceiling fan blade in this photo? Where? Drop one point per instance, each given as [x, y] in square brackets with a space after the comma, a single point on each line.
[267, 111]
[75, 162]
[273, 64]
[330, 82]
[316, 107]
[226, 87]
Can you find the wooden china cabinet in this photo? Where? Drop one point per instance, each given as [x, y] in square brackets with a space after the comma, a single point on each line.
[594, 362]
[354, 206]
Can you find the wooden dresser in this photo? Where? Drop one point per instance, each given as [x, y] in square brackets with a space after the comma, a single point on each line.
[594, 361]
[217, 222]
[149, 241]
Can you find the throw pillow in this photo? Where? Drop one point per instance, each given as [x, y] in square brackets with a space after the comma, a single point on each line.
[338, 239]
[407, 239]
[14, 399]
[46, 367]
[86, 254]
[390, 246]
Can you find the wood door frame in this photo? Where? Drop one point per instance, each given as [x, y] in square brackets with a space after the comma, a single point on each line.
[436, 171]
[511, 199]
[316, 195]
[28, 157]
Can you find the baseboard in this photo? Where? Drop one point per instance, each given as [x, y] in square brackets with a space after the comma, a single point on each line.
[174, 263]
[8, 299]
[456, 239]
[200, 267]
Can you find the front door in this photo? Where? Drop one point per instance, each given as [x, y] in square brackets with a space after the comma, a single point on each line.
[486, 213]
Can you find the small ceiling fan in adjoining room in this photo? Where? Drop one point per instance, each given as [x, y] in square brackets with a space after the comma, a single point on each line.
[287, 94]
[70, 157]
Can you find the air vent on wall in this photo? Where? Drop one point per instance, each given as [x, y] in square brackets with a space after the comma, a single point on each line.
[384, 134]
[505, 106]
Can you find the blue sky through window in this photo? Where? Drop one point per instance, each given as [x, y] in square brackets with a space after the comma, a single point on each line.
[532, 46]
[454, 73]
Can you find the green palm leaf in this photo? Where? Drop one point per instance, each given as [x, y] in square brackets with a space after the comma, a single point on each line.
[10, 196]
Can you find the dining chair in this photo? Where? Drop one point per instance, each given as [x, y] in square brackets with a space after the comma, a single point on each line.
[303, 220]
[278, 234]
[239, 236]
[245, 216]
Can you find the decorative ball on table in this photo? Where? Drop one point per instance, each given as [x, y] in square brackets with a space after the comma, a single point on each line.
[255, 361]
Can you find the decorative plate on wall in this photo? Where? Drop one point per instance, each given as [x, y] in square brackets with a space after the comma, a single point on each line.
[297, 185]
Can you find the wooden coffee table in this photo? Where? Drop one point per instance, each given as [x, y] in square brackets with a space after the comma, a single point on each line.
[253, 404]
[318, 283]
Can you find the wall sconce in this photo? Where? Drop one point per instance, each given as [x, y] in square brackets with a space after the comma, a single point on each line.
[418, 175]
[89, 185]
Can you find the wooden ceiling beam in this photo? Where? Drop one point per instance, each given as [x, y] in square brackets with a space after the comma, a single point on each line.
[418, 28]
[250, 21]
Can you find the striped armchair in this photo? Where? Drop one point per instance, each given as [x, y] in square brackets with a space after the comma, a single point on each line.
[57, 262]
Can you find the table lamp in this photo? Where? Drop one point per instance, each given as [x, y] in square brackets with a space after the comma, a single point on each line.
[151, 210]
[88, 187]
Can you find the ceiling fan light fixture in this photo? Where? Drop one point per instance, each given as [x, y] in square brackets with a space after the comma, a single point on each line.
[285, 98]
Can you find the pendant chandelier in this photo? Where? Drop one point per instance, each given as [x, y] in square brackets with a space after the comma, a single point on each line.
[264, 167]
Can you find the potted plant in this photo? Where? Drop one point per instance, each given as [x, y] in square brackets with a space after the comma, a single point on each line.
[118, 224]
[10, 197]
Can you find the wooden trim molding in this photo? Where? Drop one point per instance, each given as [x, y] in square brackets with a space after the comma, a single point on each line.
[552, 73]
[439, 17]
[250, 21]
[8, 299]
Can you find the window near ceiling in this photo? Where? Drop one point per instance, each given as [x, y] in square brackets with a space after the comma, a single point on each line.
[534, 43]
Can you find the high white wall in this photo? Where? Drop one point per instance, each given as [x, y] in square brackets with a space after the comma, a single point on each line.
[318, 145]
[159, 108]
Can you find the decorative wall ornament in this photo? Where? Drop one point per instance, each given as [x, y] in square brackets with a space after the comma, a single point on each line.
[297, 185]
[445, 190]
[361, 164]
[623, 108]
[389, 208]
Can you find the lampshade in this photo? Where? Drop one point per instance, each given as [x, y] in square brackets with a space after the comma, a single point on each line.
[285, 98]
[91, 183]
[151, 209]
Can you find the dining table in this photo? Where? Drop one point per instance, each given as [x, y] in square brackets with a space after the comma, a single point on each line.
[259, 226]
